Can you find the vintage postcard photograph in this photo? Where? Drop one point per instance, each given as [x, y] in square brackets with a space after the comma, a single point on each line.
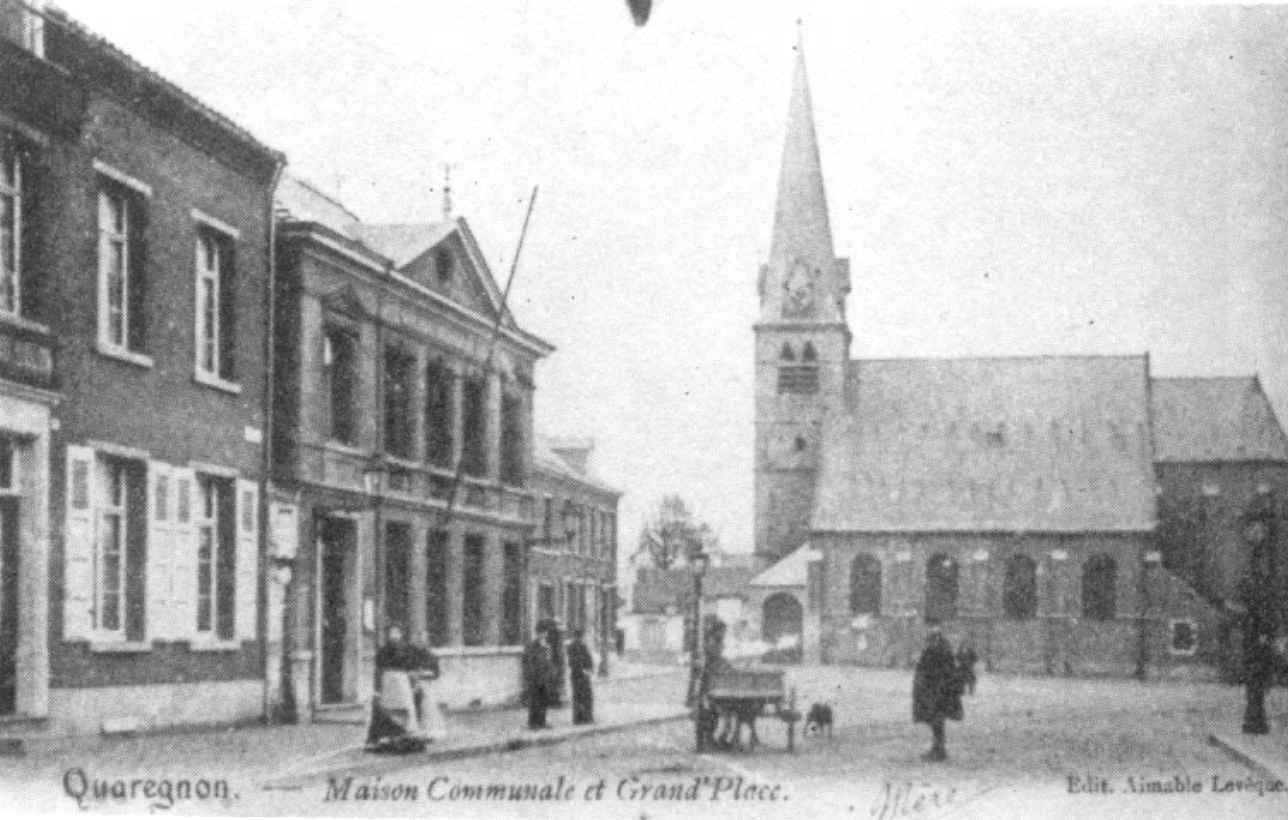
[643, 409]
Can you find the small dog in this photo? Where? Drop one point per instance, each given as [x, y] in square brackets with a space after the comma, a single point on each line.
[818, 720]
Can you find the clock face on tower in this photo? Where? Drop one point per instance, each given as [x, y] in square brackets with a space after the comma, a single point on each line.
[800, 288]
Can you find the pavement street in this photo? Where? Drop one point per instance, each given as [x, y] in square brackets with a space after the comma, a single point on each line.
[1028, 747]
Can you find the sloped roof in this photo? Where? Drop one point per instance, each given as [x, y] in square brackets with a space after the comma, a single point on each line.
[656, 589]
[1058, 444]
[791, 571]
[547, 460]
[302, 201]
[404, 242]
[1215, 419]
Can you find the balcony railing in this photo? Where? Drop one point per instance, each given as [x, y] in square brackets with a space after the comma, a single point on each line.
[342, 467]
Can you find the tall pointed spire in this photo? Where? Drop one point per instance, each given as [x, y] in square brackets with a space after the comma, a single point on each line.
[801, 226]
[802, 279]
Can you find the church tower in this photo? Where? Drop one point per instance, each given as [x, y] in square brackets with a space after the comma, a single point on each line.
[802, 340]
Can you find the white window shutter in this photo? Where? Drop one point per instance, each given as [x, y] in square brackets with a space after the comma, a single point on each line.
[160, 509]
[247, 562]
[78, 545]
[183, 555]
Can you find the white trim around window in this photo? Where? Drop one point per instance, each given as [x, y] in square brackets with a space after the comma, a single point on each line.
[123, 178]
[215, 222]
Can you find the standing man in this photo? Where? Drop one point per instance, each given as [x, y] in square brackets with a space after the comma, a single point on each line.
[538, 677]
[1259, 670]
[936, 691]
[966, 660]
[580, 667]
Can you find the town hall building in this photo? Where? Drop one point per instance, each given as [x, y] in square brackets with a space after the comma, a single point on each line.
[1065, 514]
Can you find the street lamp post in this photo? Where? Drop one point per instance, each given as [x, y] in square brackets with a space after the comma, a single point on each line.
[698, 562]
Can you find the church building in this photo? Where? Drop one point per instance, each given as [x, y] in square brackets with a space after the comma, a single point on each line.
[1065, 514]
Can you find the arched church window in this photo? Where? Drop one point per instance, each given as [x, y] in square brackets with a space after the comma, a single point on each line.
[1099, 588]
[800, 444]
[865, 585]
[787, 354]
[941, 588]
[1020, 588]
[809, 354]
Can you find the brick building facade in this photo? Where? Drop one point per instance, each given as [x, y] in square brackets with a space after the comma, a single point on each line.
[146, 257]
[572, 567]
[386, 394]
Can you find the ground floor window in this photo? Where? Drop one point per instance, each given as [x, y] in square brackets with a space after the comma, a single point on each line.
[398, 575]
[941, 588]
[474, 580]
[512, 596]
[436, 589]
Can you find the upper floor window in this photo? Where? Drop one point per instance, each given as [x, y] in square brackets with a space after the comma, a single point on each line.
[512, 440]
[216, 312]
[10, 227]
[399, 431]
[340, 359]
[809, 354]
[121, 315]
[474, 426]
[438, 414]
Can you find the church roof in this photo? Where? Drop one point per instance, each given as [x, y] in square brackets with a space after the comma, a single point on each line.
[1054, 444]
[1215, 419]
[791, 571]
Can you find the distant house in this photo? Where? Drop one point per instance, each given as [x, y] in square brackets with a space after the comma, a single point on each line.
[661, 604]
[572, 565]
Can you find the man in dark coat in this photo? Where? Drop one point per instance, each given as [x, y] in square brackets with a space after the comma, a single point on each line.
[538, 680]
[580, 667]
[936, 691]
[1259, 666]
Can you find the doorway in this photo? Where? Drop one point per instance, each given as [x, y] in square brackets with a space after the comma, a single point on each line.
[8, 605]
[337, 614]
[782, 623]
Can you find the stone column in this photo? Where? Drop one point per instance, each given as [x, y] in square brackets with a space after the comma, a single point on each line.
[458, 423]
[417, 566]
[492, 405]
[419, 441]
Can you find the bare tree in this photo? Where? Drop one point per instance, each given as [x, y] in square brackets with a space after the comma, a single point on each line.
[674, 534]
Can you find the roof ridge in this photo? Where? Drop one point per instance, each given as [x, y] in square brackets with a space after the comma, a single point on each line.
[61, 17]
[1007, 357]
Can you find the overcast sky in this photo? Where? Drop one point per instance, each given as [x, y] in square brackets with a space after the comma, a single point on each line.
[1005, 181]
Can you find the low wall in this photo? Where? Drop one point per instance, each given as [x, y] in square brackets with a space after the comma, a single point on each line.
[91, 710]
[477, 676]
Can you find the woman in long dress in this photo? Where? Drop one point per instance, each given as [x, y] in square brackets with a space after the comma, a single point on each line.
[432, 723]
